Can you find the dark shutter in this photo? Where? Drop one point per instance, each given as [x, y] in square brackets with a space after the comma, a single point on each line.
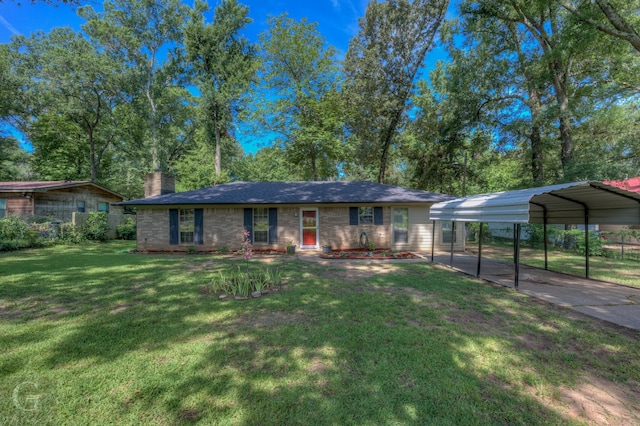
[174, 231]
[198, 227]
[273, 226]
[377, 216]
[248, 222]
[353, 215]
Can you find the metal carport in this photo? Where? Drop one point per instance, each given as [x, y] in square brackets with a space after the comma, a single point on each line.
[570, 203]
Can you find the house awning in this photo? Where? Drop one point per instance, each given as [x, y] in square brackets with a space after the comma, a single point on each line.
[562, 204]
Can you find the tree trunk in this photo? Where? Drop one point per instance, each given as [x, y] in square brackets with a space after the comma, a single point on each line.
[386, 143]
[92, 156]
[537, 150]
[564, 119]
[218, 159]
[155, 151]
[624, 30]
[567, 142]
[314, 170]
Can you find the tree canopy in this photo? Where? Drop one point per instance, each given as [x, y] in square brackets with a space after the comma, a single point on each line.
[531, 93]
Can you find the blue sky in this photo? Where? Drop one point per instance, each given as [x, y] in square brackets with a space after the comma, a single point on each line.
[337, 20]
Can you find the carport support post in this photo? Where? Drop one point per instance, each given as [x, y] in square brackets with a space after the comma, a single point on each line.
[517, 254]
[479, 250]
[546, 247]
[514, 243]
[453, 234]
[586, 240]
[433, 240]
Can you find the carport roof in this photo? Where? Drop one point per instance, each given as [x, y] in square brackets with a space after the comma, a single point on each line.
[564, 204]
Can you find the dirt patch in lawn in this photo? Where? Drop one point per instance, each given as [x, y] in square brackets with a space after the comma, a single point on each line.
[599, 401]
[357, 271]
[212, 264]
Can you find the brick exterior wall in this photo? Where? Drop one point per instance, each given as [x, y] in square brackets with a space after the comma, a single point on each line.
[336, 231]
[158, 183]
[223, 228]
[153, 229]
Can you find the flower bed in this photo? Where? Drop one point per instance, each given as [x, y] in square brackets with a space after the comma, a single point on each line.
[367, 254]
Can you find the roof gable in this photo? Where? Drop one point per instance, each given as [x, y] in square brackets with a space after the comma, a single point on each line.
[44, 186]
[295, 193]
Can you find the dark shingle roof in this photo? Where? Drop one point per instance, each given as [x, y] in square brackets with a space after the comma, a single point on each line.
[294, 193]
[44, 186]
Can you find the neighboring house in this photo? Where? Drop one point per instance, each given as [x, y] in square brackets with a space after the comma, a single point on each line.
[56, 200]
[631, 184]
[307, 214]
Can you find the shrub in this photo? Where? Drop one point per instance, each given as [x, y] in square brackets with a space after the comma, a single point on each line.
[535, 234]
[96, 227]
[16, 233]
[70, 234]
[243, 283]
[577, 237]
[127, 230]
[473, 232]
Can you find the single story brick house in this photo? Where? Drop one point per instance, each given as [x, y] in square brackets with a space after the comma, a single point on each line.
[56, 200]
[308, 215]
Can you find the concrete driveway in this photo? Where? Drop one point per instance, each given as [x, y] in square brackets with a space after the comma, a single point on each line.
[611, 302]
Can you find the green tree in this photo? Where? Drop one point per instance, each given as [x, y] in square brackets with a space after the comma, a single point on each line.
[145, 38]
[267, 164]
[194, 173]
[74, 83]
[618, 18]
[224, 63]
[14, 161]
[565, 70]
[381, 67]
[298, 100]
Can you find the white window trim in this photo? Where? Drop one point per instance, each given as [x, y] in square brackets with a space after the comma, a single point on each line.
[393, 229]
[254, 226]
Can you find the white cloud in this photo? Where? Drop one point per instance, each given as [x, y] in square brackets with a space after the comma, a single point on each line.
[8, 26]
[336, 3]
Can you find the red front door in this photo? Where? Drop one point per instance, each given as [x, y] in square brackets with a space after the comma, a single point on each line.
[309, 228]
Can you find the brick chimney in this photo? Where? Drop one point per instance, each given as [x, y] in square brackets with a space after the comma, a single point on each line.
[158, 183]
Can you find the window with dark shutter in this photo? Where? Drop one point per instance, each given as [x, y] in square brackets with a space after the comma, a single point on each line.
[377, 216]
[198, 227]
[353, 215]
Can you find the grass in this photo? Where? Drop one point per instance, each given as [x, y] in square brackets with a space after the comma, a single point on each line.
[93, 335]
[602, 268]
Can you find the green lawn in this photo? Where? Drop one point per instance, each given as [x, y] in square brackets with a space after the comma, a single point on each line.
[93, 335]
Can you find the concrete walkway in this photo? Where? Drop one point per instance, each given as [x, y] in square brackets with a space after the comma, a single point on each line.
[615, 303]
[611, 302]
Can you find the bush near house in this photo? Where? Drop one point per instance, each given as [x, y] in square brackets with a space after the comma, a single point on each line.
[17, 232]
[96, 227]
[127, 230]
